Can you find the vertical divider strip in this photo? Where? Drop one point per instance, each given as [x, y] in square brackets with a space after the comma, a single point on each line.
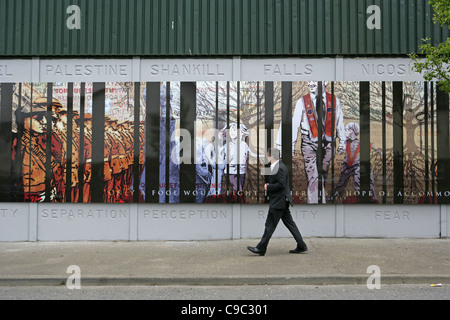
[82, 160]
[6, 141]
[48, 143]
[286, 129]
[383, 137]
[187, 122]
[269, 117]
[152, 139]
[69, 134]
[136, 135]
[320, 151]
[397, 113]
[364, 114]
[98, 141]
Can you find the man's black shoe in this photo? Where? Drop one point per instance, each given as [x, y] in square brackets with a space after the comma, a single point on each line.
[256, 250]
[299, 249]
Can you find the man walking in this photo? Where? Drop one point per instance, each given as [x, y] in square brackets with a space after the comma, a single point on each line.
[280, 198]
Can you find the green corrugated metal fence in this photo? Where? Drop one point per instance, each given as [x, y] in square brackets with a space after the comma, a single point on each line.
[214, 27]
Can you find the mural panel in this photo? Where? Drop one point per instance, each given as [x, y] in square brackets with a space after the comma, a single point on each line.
[206, 141]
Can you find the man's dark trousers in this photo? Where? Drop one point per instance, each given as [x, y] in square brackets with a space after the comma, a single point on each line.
[272, 220]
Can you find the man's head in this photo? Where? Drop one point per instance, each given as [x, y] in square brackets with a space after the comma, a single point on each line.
[352, 131]
[273, 154]
[37, 122]
[233, 131]
[314, 86]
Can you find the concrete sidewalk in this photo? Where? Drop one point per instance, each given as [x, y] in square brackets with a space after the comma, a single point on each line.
[226, 262]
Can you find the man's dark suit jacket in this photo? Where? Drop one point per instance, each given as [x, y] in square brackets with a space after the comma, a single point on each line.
[279, 190]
